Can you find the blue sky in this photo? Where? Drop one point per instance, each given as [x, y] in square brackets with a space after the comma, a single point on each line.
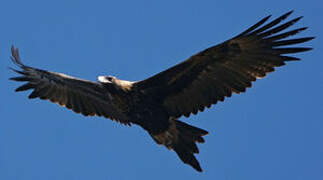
[274, 131]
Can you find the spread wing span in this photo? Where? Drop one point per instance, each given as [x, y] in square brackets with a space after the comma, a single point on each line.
[213, 74]
[81, 96]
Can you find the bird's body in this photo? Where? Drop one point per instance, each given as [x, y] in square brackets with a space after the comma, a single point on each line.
[157, 103]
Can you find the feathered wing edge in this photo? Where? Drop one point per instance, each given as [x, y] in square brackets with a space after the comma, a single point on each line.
[81, 96]
[227, 68]
[268, 34]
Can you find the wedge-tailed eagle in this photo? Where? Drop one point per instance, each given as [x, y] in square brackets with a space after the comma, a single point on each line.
[157, 102]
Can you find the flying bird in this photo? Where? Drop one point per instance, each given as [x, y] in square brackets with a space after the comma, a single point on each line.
[157, 103]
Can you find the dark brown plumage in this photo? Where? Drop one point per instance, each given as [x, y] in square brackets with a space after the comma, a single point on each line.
[156, 103]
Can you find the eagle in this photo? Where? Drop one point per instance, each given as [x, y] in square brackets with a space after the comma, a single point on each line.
[157, 103]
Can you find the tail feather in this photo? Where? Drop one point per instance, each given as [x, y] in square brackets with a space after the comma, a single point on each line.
[187, 157]
[191, 131]
[182, 138]
[185, 147]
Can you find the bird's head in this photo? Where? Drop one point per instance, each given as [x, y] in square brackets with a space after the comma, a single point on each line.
[107, 79]
[111, 81]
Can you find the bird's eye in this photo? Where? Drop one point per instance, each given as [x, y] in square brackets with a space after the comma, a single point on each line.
[109, 78]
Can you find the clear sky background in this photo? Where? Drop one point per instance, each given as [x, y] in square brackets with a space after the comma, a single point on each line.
[274, 131]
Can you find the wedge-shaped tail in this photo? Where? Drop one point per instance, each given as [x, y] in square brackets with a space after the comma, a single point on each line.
[182, 138]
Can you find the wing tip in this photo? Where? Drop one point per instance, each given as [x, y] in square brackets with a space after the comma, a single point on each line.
[311, 38]
[17, 71]
[267, 17]
[253, 27]
[289, 13]
[15, 57]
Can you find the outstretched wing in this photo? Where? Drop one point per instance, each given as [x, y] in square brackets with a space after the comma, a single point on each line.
[82, 96]
[213, 74]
